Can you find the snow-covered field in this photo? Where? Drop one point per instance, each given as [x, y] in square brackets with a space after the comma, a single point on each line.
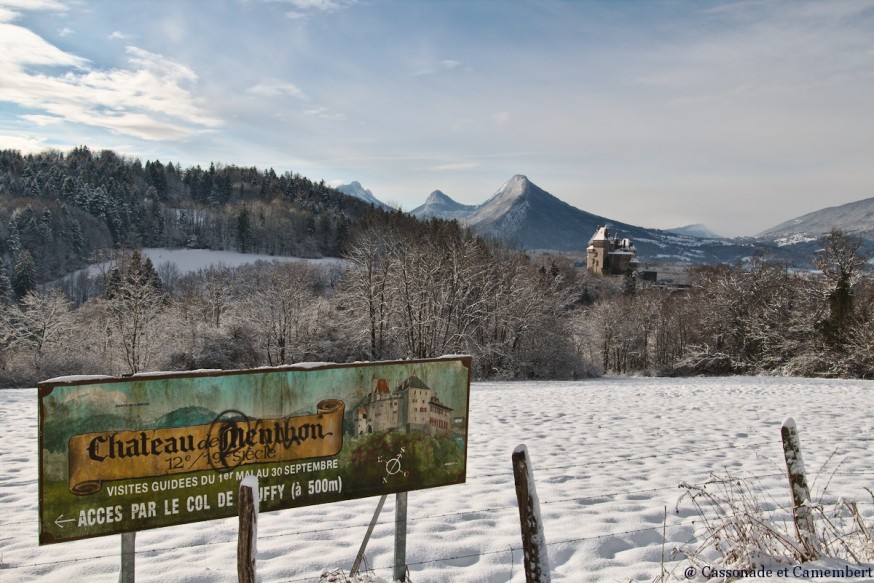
[188, 260]
[608, 455]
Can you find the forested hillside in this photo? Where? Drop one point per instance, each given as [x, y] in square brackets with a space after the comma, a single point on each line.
[405, 288]
[58, 211]
[408, 289]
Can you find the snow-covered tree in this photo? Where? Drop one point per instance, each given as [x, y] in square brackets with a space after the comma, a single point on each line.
[841, 262]
[23, 274]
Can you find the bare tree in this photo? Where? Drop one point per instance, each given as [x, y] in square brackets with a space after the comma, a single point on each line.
[135, 311]
[436, 301]
[39, 321]
[278, 304]
[367, 292]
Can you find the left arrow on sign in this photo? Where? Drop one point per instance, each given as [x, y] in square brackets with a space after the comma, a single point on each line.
[59, 522]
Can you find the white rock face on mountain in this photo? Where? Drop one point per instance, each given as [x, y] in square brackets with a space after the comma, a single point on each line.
[524, 214]
[697, 230]
[441, 206]
[510, 201]
[355, 189]
[856, 218]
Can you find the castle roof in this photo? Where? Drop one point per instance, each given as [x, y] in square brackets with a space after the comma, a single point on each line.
[382, 387]
[602, 234]
[413, 382]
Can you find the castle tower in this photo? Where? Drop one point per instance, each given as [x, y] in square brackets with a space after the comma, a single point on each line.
[597, 251]
[606, 256]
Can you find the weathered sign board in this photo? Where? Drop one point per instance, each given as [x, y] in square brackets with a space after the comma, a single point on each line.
[133, 453]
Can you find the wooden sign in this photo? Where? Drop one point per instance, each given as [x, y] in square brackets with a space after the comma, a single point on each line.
[133, 453]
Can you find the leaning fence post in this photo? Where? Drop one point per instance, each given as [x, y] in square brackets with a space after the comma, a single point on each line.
[248, 537]
[360, 556]
[805, 529]
[533, 540]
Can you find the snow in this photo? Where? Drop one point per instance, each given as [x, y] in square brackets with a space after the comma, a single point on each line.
[251, 482]
[189, 260]
[78, 377]
[607, 456]
[794, 239]
[355, 189]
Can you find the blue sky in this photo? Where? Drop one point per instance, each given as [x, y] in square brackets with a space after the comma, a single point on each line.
[739, 115]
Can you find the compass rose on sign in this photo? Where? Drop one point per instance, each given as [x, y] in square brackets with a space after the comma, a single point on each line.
[392, 466]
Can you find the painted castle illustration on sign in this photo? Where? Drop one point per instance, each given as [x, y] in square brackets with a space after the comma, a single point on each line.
[413, 404]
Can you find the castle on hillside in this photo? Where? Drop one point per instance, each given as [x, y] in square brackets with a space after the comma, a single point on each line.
[606, 256]
[412, 404]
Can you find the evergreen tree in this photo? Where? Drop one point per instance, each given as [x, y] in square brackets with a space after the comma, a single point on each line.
[5, 284]
[244, 229]
[13, 243]
[73, 236]
[841, 262]
[24, 275]
[68, 190]
[132, 270]
[149, 276]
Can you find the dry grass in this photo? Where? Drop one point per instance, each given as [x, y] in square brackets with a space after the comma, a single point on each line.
[736, 533]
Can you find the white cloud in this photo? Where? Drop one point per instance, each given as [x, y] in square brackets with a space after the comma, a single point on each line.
[21, 47]
[42, 120]
[65, 32]
[276, 89]
[325, 113]
[455, 166]
[117, 35]
[151, 99]
[25, 144]
[430, 69]
[303, 9]
[11, 9]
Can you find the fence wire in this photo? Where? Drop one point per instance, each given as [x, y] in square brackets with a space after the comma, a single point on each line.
[491, 509]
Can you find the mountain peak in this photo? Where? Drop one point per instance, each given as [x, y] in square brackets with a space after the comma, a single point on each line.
[517, 185]
[437, 197]
[854, 217]
[698, 230]
[518, 188]
[439, 204]
[355, 189]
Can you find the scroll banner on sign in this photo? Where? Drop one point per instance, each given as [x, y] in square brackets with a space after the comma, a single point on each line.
[223, 445]
[124, 454]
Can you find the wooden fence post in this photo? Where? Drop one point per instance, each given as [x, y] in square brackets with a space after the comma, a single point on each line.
[805, 529]
[533, 540]
[248, 537]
